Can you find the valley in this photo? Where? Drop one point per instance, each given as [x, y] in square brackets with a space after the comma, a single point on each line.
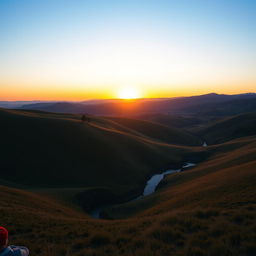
[136, 175]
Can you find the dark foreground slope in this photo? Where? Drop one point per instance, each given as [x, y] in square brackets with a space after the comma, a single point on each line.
[50, 150]
[209, 210]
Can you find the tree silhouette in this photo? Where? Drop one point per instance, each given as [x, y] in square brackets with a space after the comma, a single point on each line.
[83, 118]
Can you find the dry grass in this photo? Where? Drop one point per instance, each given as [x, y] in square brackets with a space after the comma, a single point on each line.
[196, 232]
[207, 211]
[211, 212]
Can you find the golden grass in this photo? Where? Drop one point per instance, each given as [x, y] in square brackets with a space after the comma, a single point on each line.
[48, 228]
[209, 210]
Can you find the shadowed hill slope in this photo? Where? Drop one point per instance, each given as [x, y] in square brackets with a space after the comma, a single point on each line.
[35, 204]
[225, 180]
[208, 210]
[160, 132]
[58, 150]
[230, 128]
[185, 122]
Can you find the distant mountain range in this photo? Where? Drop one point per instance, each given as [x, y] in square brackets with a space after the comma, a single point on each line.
[212, 104]
[209, 104]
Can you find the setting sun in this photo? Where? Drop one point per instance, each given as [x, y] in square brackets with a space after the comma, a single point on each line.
[128, 93]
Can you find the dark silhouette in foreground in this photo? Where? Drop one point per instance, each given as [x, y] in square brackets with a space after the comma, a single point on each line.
[11, 250]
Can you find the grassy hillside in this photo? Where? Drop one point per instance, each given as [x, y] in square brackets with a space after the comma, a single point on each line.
[224, 180]
[173, 120]
[232, 155]
[230, 128]
[159, 131]
[57, 150]
[209, 210]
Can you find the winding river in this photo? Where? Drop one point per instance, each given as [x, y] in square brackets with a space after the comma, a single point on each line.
[149, 189]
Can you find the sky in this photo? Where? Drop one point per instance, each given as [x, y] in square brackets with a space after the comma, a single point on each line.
[75, 50]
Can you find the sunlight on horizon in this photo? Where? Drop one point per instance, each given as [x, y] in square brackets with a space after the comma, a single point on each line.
[128, 93]
[88, 49]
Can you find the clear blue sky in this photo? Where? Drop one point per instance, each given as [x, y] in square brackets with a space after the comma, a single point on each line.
[158, 46]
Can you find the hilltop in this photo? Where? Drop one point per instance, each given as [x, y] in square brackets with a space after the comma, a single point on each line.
[208, 210]
[57, 162]
[229, 128]
[112, 157]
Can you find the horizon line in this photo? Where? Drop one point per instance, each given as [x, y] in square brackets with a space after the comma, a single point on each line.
[119, 99]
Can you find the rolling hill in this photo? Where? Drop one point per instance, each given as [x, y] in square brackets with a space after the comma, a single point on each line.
[207, 210]
[187, 122]
[229, 128]
[110, 159]
[236, 158]
[167, 134]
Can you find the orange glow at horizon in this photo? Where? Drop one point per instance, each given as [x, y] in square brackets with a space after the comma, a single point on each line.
[128, 93]
[77, 93]
[84, 50]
